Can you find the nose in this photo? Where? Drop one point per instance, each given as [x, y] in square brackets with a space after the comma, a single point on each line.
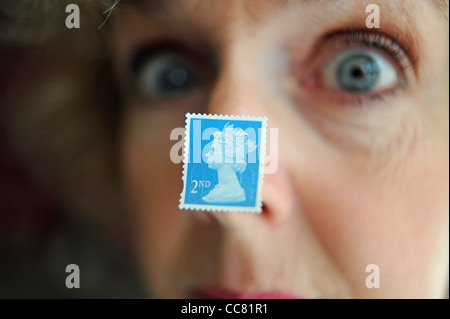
[235, 93]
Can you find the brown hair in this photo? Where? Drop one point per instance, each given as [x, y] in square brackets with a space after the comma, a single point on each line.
[61, 105]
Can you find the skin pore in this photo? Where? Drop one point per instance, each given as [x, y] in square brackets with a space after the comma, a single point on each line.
[362, 178]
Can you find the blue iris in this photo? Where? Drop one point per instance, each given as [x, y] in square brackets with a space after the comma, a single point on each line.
[174, 79]
[358, 73]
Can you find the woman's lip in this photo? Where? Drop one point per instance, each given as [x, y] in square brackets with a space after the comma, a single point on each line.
[221, 293]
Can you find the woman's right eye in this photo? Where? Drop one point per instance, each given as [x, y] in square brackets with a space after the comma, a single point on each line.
[166, 75]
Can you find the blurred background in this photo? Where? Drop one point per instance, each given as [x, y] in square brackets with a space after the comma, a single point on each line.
[38, 236]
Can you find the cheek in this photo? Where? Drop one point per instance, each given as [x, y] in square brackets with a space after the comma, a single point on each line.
[395, 220]
[379, 198]
[153, 184]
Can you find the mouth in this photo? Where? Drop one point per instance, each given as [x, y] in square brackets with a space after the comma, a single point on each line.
[221, 293]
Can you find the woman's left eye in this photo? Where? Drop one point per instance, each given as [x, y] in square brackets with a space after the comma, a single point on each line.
[359, 71]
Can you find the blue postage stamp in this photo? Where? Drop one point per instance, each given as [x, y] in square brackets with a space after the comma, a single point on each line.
[223, 163]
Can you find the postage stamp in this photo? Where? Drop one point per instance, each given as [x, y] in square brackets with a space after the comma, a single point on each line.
[223, 163]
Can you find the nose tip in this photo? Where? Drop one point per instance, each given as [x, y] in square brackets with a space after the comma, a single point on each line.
[277, 205]
[236, 94]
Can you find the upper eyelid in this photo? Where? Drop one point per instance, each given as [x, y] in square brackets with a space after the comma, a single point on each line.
[145, 53]
[395, 46]
[331, 43]
[178, 49]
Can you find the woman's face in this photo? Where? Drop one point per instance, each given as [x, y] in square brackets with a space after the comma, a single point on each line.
[363, 144]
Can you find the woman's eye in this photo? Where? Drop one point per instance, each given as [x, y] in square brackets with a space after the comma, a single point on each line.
[166, 76]
[359, 71]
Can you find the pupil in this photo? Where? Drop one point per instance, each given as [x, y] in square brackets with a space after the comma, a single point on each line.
[357, 73]
[175, 80]
[178, 77]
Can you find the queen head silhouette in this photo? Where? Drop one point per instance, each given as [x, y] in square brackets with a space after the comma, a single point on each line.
[228, 154]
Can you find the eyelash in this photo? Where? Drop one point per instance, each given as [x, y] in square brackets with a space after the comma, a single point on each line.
[376, 39]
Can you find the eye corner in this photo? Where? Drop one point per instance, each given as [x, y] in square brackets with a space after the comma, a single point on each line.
[399, 46]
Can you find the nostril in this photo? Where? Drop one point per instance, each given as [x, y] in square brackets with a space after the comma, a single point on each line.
[278, 197]
[264, 210]
[206, 217]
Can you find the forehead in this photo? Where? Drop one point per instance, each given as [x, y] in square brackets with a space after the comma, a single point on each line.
[204, 16]
[208, 8]
[257, 8]
[224, 27]
[236, 16]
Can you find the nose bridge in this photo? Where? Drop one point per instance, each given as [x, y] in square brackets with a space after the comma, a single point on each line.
[235, 91]
[239, 90]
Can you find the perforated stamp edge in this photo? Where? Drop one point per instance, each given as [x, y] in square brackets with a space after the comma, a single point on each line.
[262, 158]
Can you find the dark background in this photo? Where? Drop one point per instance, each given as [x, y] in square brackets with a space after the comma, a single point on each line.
[38, 239]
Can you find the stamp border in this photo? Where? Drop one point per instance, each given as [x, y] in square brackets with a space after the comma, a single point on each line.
[262, 158]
